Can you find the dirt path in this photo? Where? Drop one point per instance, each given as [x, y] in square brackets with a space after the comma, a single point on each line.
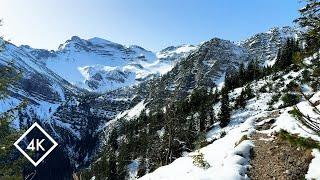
[273, 158]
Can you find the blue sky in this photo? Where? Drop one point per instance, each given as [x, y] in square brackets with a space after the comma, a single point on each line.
[152, 24]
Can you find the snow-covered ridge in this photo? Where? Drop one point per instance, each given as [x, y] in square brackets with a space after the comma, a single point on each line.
[264, 46]
[99, 65]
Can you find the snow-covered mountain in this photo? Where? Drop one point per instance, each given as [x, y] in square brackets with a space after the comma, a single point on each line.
[255, 131]
[206, 66]
[70, 113]
[264, 46]
[56, 82]
[100, 65]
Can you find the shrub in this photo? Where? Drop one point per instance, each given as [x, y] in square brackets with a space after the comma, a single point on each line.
[223, 134]
[274, 99]
[290, 99]
[315, 85]
[316, 72]
[295, 113]
[243, 138]
[263, 89]
[198, 160]
[306, 76]
[299, 141]
[292, 85]
[201, 141]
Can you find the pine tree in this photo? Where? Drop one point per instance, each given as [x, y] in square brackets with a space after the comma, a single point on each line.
[310, 19]
[123, 161]
[171, 129]
[248, 92]
[10, 167]
[241, 74]
[241, 101]
[287, 54]
[231, 79]
[224, 115]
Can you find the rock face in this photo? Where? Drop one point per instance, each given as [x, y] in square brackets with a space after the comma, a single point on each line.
[206, 66]
[64, 87]
[264, 46]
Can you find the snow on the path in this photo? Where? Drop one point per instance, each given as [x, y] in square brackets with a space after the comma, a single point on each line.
[314, 171]
[287, 122]
[227, 159]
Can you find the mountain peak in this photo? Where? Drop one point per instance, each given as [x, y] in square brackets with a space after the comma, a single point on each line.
[99, 41]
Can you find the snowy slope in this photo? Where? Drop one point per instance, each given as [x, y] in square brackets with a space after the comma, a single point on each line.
[100, 65]
[228, 156]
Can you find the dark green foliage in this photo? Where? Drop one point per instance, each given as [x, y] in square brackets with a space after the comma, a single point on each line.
[315, 85]
[224, 116]
[316, 70]
[10, 164]
[290, 99]
[159, 136]
[241, 74]
[223, 134]
[299, 141]
[296, 113]
[245, 95]
[240, 101]
[306, 76]
[113, 163]
[253, 71]
[244, 75]
[263, 89]
[287, 54]
[201, 141]
[310, 19]
[275, 98]
[292, 85]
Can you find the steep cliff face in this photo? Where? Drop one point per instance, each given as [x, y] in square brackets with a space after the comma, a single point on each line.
[264, 46]
[206, 66]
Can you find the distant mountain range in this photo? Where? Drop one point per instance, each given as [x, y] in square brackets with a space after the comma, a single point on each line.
[100, 65]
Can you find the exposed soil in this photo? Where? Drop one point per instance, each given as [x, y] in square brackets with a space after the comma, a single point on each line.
[274, 158]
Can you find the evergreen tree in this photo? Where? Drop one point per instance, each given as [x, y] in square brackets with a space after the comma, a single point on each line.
[287, 54]
[224, 115]
[310, 19]
[10, 165]
[241, 101]
[231, 79]
[241, 75]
